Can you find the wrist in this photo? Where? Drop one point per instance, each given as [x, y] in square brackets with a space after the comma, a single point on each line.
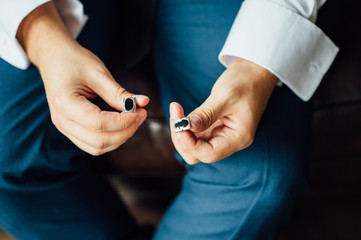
[259, 84]
[42, 32]
[254, 72]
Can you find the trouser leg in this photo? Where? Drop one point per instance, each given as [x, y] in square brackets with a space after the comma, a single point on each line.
[249, 194]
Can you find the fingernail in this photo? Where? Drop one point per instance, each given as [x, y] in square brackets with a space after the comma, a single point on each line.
[195, 121]
[140, 97]
[172, 110]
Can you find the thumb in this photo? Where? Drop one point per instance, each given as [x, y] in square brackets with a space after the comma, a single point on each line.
[205, 115]
[113, 94]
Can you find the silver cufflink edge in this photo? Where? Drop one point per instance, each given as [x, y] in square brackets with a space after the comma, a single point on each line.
[129, 104]
[182, 124]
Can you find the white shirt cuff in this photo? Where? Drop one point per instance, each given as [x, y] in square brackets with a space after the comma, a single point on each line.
[12, 12]
[282, 41]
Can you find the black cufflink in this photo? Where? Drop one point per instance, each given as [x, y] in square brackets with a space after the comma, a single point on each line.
[129, 104]
[182, 124]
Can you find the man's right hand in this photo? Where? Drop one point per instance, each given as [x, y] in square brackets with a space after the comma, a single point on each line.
[71, 76]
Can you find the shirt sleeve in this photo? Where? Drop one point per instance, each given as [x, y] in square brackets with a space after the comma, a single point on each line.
[280, 35]
[12, 12]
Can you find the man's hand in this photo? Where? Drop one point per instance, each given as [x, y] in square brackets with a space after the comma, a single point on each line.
[71, 76]
[226, 122]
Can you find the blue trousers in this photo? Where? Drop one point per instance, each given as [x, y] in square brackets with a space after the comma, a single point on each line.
[49, 191]
[249, 194]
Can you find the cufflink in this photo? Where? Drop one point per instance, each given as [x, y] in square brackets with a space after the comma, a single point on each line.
[129, 104]
[182, 124]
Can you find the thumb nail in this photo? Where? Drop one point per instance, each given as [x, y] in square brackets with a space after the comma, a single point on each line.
[196, 122]
[172, 110]
[140, 97]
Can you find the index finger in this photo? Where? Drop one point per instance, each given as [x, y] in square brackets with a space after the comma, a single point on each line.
[87, 114]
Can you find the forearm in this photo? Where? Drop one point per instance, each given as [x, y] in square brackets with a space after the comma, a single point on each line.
[41, 31]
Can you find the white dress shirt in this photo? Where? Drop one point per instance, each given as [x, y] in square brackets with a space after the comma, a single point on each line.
[12, 12]
[279, 35]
